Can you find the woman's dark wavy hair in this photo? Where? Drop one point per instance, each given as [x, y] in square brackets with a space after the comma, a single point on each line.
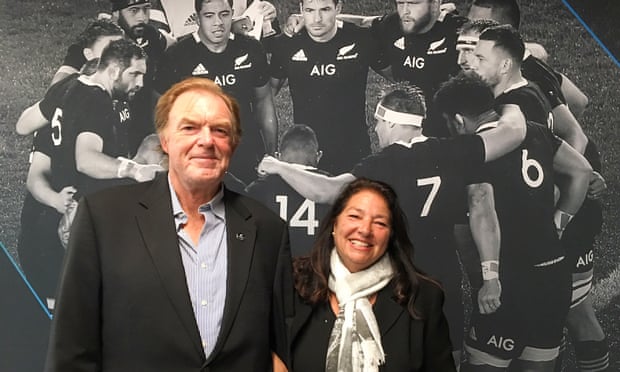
[312, 272]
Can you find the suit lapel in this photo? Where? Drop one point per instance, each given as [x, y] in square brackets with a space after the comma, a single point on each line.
[241, 239]
[386, 310]
[156, 224]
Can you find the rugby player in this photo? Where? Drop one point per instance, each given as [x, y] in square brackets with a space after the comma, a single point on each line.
[326, 65]
[239, 65]
[531, 262]
[592, 350]
[298, 146]
[427, 173]
[95, 145]
[497, 59]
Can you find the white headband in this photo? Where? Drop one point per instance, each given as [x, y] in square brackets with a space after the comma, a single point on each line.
[396, 117]
[467, 40]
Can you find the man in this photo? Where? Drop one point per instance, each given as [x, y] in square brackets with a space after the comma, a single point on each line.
[326, 65]
[508, 12]
[88, 46]
[298, 146]
[584, 328]
[239, 65]
[178, 274]
[531, 261]
[428, 175]
[497, 59]
[95, 147]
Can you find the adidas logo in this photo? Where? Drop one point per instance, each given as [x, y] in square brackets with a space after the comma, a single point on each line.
[400, 43]
[343, 53]
[191, 20]
[300, 56]
[239, 62]
[433, 48]
[200, 70]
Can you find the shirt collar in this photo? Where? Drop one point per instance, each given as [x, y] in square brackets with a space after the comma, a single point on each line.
[517, 85]
[215, 205]
[412, 142]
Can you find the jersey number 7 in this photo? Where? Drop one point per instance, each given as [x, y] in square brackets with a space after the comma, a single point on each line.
[435, 183]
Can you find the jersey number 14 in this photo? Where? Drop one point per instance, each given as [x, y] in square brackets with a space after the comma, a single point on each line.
[306, 208]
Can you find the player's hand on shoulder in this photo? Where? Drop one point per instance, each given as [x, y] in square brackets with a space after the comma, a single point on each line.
[597, 186]
[146, 172]
[268, 11]
[294, 24]
[268, 165]
[489, 296]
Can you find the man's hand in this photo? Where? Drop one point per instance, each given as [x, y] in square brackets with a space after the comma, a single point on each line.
[597, 186]
[489, 296]
[267, 10]
[294, 24]
[64, 199]
[269, 165]
[146, 172]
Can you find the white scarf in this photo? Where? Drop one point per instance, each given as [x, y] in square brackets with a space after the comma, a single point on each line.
[355, 341]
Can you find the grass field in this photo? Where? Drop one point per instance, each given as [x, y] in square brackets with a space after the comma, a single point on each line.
[36, 34]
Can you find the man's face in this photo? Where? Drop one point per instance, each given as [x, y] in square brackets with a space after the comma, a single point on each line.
[214, 22]
[487, 62]
[466, 55]
[132, 19]
[320, 18]
[100, 44]
[130, 81]
[415, 15]
[198, 140]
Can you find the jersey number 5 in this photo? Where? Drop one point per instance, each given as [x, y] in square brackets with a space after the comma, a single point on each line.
[307, 208]
[57, 127]
[435, 183]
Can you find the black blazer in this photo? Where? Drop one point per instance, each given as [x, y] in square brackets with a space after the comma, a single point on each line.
[124, 304]
[410, 345]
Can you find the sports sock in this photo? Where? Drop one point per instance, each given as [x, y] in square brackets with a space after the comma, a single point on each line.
[592, 356]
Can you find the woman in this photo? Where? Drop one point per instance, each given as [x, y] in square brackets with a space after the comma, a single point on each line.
[362, 305]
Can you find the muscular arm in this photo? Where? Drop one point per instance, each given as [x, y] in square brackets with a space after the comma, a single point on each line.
[30, 120]
[62, 72]
[266, 115]
[575, 98]
[316, 187]
[573, 172]
[90, 160]
[568, 128]
[38, 185]
[507, 136]
[486, 234]
[358, 20]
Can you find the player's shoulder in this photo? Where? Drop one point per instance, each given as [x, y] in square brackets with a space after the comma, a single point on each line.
[451, 20]
[185, 44]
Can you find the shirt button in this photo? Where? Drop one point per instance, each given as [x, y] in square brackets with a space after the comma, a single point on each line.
[203, 302]
[203, 265]
[204, 343]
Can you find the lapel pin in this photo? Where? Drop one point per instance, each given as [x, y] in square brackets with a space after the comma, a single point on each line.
[240, 236]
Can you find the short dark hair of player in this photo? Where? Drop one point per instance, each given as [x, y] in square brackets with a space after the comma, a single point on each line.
[96, 30]
[166, 101]
[301, 2]
[478, 26]
[121, 51]
[404, 97]
[466, 94]
[198, 4]
[311, 273]
[301, 141]
[504, 11]
[508, 39]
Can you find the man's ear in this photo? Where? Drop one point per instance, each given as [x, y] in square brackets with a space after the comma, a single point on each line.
[114, 71]
[505, 65]
[459, 122]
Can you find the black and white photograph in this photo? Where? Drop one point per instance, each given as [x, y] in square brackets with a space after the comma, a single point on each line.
[308, 185]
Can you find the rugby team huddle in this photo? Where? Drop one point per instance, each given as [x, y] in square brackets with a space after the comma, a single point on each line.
[476, 133]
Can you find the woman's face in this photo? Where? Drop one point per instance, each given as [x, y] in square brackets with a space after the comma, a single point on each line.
[362, 230]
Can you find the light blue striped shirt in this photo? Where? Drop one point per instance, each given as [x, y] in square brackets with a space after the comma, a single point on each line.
[205, 266]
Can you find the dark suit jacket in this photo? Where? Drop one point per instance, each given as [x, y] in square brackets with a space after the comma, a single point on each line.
[124, 304]
[409, 344]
